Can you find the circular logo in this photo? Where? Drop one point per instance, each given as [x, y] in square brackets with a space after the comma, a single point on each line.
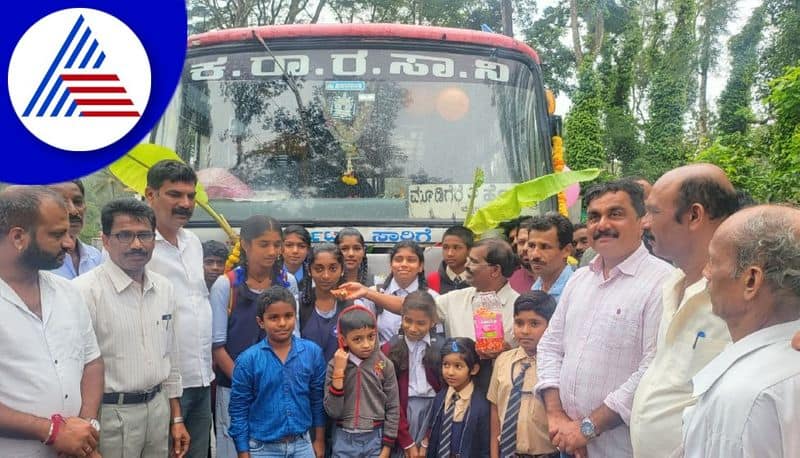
[86, 88]
[85, 85]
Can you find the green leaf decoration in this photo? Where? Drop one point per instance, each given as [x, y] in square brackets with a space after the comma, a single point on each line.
[510, 203]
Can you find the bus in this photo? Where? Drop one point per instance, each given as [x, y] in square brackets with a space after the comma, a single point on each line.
[376, 126]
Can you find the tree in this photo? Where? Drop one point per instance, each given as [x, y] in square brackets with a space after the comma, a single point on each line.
[583, 130]
[558, 62]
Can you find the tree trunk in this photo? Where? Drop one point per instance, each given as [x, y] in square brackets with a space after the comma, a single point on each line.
[576, 32]
[318, 11]
[599, 32]
[705, 64]
[506, 12]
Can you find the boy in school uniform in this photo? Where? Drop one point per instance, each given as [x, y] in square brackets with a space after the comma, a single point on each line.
[456, 243]
[518, 418]
[361, 392]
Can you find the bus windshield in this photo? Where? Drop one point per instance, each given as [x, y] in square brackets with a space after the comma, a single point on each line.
[356, 134]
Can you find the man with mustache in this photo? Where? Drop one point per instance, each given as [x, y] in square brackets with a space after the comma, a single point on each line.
[178, 255]
[52, 372]
[83, 257]
[685, 207]
[522, 279]
[549, 246]
[603, 334]
[134, 318]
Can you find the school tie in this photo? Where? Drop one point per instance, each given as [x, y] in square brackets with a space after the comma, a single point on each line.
[447, 428]
[508, 437]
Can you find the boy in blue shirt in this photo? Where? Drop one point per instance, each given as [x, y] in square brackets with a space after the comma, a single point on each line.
[277, 389]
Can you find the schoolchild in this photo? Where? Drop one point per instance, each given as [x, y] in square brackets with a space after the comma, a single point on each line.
[361, 393]
[456, 243]
[415, 354]
[296, 247]
[277, 391]
[233, 308]
[351, 244]
[518, 417]
[460, 413]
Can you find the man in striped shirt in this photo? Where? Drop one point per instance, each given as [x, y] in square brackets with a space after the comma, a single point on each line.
[133, 315]
[603, 333]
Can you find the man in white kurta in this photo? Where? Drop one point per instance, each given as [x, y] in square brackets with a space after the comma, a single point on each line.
[748, 396]
[684, 208]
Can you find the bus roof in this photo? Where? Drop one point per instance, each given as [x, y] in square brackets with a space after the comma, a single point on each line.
[363, 30]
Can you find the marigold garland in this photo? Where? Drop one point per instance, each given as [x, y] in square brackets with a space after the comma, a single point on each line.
[233, 258]
[558, 167]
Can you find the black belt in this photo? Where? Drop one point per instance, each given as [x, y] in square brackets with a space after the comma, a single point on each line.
[131, 398]
[287, 439]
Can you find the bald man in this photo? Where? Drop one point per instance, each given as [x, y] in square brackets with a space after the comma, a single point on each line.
[747, 397]
[684, 208]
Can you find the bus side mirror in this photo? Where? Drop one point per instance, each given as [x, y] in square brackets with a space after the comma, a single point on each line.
[556, 125]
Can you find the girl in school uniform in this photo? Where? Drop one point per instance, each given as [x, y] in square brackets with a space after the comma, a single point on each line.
[460, 413]
[415, 354]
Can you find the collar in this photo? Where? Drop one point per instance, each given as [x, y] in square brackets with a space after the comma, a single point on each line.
[519, 355]
[464, 395]
[181, 236]
[708, 375]
[394, 287]
[426, 339]
[628, 267]
[294, 348]
[557, 285]
[121, 280]
[355, 359]
[452, 275]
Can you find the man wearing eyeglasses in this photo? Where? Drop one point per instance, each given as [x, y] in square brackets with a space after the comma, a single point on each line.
[133, 315]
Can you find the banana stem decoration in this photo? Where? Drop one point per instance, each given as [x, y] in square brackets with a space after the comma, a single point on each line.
[477, 182]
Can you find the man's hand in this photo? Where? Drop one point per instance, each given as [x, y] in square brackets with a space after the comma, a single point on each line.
[555, 421]
[411, 452]
[180, 439]
[796, 341]
[581, 453]
[385, 452]
[76, 437]
[355, 290]
[569, 437]
[489, 354]
[319, 447]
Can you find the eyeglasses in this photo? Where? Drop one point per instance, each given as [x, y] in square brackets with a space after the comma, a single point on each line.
[128, 236]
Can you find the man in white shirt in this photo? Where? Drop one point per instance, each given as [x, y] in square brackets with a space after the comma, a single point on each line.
[685, 207]
[133, 315]
[82, 258]
[178, 256]
[603, 333]
[489, 265]
[748, 395]
[52, 373]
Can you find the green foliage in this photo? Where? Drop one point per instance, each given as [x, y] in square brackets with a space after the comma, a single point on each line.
[558, 62]
[735, 113]
[583, 130]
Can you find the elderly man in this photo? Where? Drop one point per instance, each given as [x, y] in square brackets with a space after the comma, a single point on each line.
[178, 255]
[82, 258]
[52, 373]
[133, 314]
[603, 333]
[749, 394]
[685, 207]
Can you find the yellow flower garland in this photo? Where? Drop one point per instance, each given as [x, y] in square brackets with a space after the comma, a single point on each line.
[233, 258]
[558, 167]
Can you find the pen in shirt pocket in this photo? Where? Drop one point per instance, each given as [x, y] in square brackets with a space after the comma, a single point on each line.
[166, 318]
[699, 335]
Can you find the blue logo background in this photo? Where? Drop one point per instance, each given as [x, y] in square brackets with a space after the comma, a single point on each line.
[160, 26]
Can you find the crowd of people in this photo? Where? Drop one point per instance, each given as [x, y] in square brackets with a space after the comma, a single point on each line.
[666, 325]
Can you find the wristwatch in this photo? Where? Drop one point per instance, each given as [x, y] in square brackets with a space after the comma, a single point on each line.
[95, 424]
[587, 429]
